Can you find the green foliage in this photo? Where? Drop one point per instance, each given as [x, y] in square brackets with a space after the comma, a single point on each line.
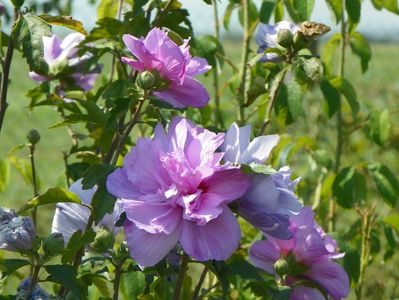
[379, 126]
[360, 46]
[387, 183]
[67, 276]
[65, 21]
[350, 187]
[27, 35]
[299, 10]
[9, 266]
[4, 174]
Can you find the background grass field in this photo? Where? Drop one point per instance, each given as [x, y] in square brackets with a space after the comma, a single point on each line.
[378, 87]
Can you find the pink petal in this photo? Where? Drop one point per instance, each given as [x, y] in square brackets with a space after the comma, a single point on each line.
[306, 293]
[263, 254]
[331, 276]
[133, 63]
[190, 93]
[217, 240]
[153, 218]
[119, 186]
[137, 48]
[146, 248]
[197, 66]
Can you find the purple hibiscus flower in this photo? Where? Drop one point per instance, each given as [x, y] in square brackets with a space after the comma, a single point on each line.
[71, 217]
[61, 53]
[173, 189]
[267, 38]
[313, 251]
[174, 64]
[269, 201]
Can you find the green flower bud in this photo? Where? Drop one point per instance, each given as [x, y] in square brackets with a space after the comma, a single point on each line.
[281, 267]
[18, 3]
[285, 38]
[33, 136]
[103, 242]
[54, 244]
[147, 80]
[300, 41]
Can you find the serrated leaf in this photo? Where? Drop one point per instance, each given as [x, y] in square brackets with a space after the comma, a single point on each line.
[4, 174]
[9, 266]
[266, 10]
[379, 126]
[346, 88]
[386, 182]
[66, 275]
[360, 47]
[65, 21]
[349, 187]
[52, 195]
[27, 35]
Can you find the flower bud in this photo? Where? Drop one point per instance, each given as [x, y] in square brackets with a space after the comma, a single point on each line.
[147, 80]
[104, 241]
[285, 38]
[281, 267]
[299, 41]
[18, 3]
[54, 244]
[6, 215]
[33, 136]
[18, 235]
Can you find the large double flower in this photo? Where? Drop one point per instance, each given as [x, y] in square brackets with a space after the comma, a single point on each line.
[173, 189]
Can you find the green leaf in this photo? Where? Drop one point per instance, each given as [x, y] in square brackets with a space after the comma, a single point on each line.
[336, 8]
[4, 174]
[386, 182]
[379, 126]
[65, 21]
[392, 220]
[295, 99]
[253, 15]
[266, 10]
[52, 195]
[23, 167]
[352, 264]
[132, 284]
[390, 235]
[360, 47]
[66, 275]
[227, 15]
[349, 187]
[346, 88]
[390, 5]
[332, 97]
[329, 53]
[9, 266]
[96, 174]
[353, 8]
[279, 12]
[27, 35]
[107, 9]
[208, 46]
[76, 242]
[299, 10]
[102, 203]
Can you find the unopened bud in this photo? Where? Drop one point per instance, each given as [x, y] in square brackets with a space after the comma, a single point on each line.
[18, 235]
[104, 241]
[18, 3]
[54, 244]
[281, 267]
[147, 80]
[33, 136]
[300, 41]
[285, 38]
[6, 215]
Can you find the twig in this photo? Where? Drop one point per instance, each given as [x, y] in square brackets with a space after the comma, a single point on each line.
[180, 277]
[199, 284]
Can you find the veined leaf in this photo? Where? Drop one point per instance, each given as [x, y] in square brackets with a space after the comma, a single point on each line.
[27, 35]
[65, 21]
[379, 126]
[387, 183]
[329, 51]
[346, 88]
[360, 47]
[336, 8]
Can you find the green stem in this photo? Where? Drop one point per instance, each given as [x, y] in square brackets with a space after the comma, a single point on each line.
[218, 112]
[272, 99]
[33, 281]
[180, 277]
[129, 128]
[199, 284]
[117, 279]
[242, 99]
[339, 126]
[34, 180]
[6, 73]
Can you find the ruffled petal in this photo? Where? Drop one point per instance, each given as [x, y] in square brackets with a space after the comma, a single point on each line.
[259, 149]
[135, 64]
[137, 48]
[146, 248]
[217, 240]
[119, 186]
[197, 66]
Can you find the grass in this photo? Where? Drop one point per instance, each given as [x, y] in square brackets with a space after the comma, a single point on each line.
[377, 88]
